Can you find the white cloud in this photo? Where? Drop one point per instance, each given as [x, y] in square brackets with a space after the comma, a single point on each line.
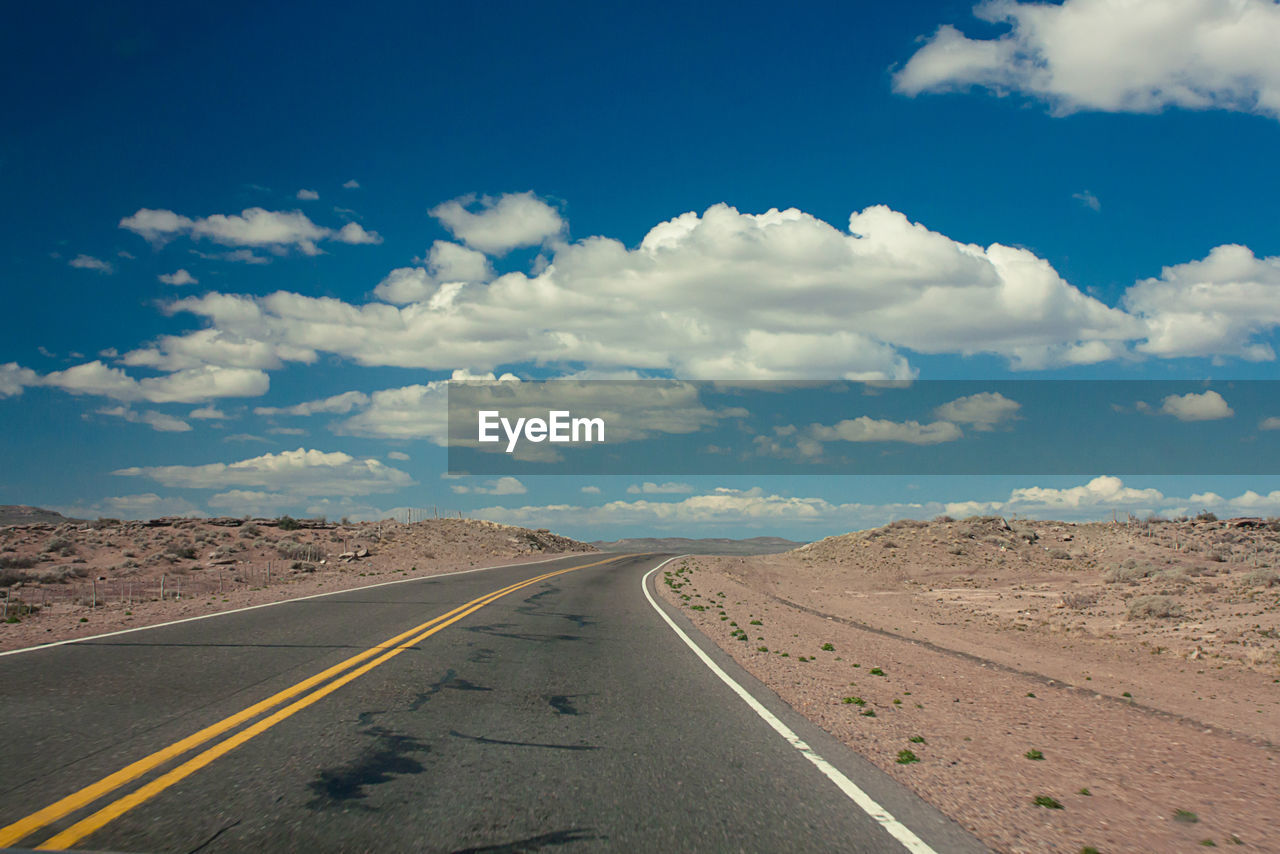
[14, 377]
[1209, 406]
[287, 431]
[183, 386]
[338, 403]
[204, 347]
[88, 262]
[983, 411]
[156, 420]
[208, 413]
[353, 184]
[178, 277]
[398, 455]
[501, 224]
[1088, 199]
[301, 472]
[719, 296]
[447, 264]
[1272, 423]
[500, 486]
[590, 490]
[1113, 55]
[253, 227]
[1218, 306]
[308, 195]
[650, 488]
[238, 502]
[866, 429]
[147, 505]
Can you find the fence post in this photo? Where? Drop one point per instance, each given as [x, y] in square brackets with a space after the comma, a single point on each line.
[93, 585]
[162, 588]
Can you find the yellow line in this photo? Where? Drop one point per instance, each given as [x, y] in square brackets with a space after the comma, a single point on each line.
[69, 804]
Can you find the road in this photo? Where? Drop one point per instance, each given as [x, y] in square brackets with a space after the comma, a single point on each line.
[563, 714]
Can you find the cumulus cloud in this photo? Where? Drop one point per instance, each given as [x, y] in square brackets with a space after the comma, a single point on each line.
[1209, 406]
[650, 488]
[88, 262]
[724, 295]
[178, 277]
[1218, 306]
[183, 386]
[1113, 55]
[983, 411]
[208, 413]
[446, 263]
[398, 455]
[14, 378]
[1272, 423]
[156, 420]
[590, 490]
[253, 227]
[500, 486]
[308, 195]
[353, 184]
[867, 429]
[205, 347]
[147, 505]
[237, 502]
[500, 224]
[301, 472]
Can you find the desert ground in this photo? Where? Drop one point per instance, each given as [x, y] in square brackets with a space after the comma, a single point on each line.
[75, 579]
[1053, 687]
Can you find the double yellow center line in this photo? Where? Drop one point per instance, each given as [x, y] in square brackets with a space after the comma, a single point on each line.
[350, 670]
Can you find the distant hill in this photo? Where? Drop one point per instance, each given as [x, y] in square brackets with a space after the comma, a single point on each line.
[707, 546]
[21, 514]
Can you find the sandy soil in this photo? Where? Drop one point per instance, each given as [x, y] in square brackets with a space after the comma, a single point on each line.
[972, 644]
[75, 580]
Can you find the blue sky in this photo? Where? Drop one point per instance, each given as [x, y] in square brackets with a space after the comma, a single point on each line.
[1083, 190]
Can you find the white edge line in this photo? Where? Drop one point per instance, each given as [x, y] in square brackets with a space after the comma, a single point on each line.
[285, 602]
[897, 829]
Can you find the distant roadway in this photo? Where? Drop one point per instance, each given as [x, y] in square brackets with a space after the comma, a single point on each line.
[548, 706]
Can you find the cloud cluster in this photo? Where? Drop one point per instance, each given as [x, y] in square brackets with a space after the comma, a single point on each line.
[501, 224]
[1113, 55]
[88, 262]
[301, 472]
[178, 277]
[182, 386]
[254, 227]
[724, 295]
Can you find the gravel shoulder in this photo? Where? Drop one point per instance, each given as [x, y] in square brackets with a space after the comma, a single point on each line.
[975, 662]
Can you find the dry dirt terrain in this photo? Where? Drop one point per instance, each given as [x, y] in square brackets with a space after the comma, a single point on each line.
[1053, 687]
[76, 579]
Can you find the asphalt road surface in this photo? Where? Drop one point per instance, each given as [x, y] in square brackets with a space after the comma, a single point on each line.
[564, 715]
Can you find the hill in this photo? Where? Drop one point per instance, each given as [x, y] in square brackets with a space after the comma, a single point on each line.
[705, 546]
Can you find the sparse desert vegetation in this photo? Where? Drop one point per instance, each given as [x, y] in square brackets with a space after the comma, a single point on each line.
[1133, 664]
[70, 579]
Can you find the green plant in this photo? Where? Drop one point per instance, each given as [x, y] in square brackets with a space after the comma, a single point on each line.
[868, 713]
[876, 671]
[906, 757]
[1034, 754]
[856, 701]
[916, 739]
[1185, 816]
[826, 647]
[762, 649]
[1031, 694]
[1085, 791]
[1046, 802]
